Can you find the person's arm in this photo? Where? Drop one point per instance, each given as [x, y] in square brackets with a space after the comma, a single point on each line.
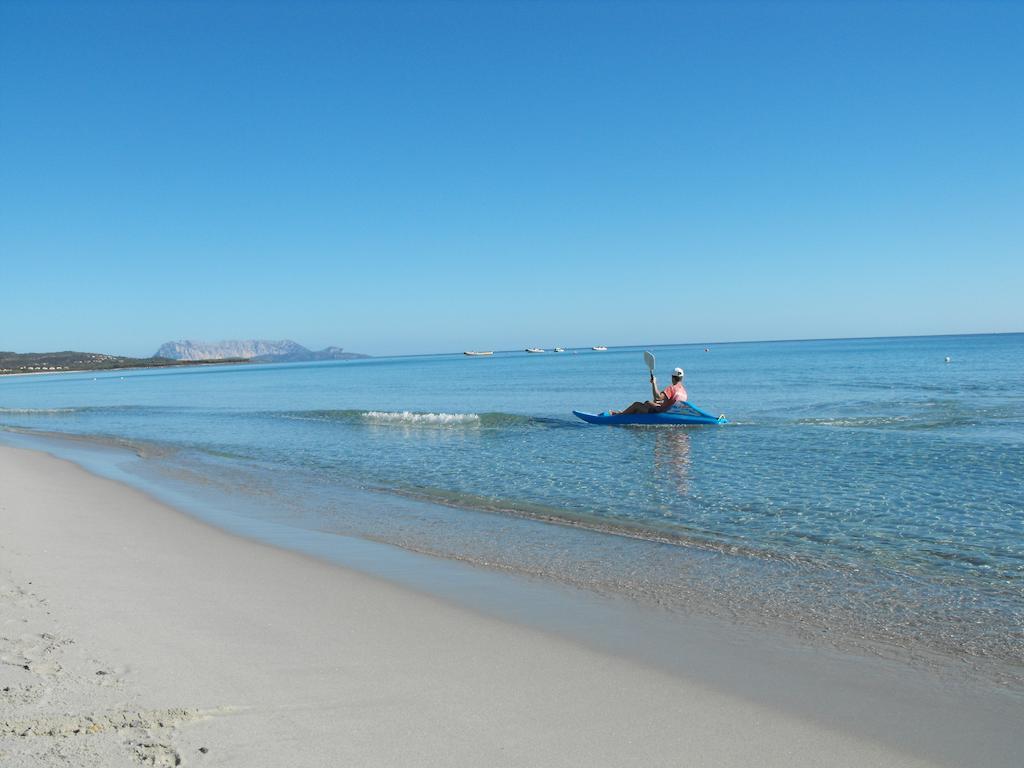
[663, 400]
[663, 404]
[654, 388]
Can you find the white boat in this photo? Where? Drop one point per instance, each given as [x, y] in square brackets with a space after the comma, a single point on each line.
[478, 354]
[559, 349]
[535, 350]
[600, 349]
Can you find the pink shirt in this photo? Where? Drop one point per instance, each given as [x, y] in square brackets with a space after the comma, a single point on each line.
[672, 394]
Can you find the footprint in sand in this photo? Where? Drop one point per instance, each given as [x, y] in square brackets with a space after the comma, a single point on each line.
[156, 754]
[37, 651]
[108, 676]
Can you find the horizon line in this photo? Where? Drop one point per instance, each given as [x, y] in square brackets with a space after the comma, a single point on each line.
[626, 346]
[722, 343]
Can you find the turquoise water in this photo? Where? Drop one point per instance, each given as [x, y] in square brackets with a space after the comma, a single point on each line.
[865, 490]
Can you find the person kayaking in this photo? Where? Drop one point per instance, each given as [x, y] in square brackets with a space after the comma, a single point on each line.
[659, 402]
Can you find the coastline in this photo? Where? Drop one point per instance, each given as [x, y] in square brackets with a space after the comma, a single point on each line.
[187, 364]
[122, 606]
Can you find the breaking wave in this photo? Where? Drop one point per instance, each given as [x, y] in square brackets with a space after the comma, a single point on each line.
[411, 417]
[419, 418]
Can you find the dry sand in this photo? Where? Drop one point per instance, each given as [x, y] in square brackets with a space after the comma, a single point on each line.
[133, 634]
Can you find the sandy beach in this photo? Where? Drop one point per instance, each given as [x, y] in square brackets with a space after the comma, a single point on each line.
[131, 633]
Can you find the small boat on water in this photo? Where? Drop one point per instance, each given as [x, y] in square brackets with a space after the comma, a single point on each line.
[600, 349]
[478, 354]
[534, 350]
[559, 349]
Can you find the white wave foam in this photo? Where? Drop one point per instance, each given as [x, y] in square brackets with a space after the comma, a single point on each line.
[409, 417]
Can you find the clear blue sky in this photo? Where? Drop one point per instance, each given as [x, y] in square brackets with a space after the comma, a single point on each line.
[426, 176]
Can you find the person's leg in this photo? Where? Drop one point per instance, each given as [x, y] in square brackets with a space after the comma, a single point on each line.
[637, 407]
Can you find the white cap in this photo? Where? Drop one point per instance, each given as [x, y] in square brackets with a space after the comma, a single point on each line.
[678, 372]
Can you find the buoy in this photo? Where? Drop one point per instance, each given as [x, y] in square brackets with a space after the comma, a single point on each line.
[949, 359]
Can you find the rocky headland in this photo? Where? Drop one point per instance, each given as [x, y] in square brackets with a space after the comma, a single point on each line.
[255, 350]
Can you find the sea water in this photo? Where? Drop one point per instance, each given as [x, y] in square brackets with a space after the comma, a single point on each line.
[866, 492]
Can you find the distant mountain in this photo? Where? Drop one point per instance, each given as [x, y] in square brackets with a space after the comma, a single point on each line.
[255, 350]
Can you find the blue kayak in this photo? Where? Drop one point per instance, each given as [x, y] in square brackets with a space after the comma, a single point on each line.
[681, 414]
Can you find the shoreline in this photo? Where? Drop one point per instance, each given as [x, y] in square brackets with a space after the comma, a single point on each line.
[275, 657]
[734, 610]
